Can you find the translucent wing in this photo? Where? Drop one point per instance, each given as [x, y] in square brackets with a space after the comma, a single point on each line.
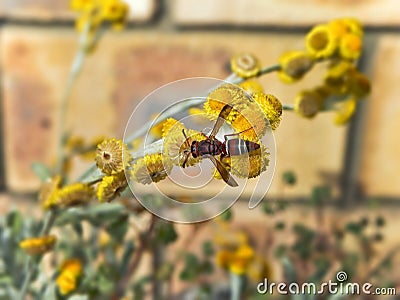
[226, 176]
[224, 113]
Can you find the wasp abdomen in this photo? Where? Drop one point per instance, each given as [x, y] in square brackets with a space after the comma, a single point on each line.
[239, 146]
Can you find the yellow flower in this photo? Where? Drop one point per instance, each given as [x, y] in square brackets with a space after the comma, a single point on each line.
[359, 84]
[241, 259]
[38, 245]
[70, 195]
[251, 86]
[345, 111]
[350, 46]
[271, 107]
[294, 64]
[111, 186]
[308, 103]
[342, 26]
[150, 168]
[48, 190]
[250, 165]
[337, 77]
[175, 147]
[245, 65]
[167, 125]
[251, 123]
[321, 42]
[112, 156]
[223, 258]
[70, 272]
[114, 12]
[226, 162]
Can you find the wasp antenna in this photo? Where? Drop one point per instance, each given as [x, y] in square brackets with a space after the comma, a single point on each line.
[186, 138]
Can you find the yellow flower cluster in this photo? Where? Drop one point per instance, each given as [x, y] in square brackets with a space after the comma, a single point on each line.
[151, 168]
[38, 245]
[340, 38]
[94, 13]
[69, 275]
[245, 65]
[340, 43]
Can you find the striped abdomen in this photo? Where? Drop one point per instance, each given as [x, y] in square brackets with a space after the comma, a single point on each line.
[239, 146]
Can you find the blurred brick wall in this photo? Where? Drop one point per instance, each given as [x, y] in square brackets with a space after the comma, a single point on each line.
[170, 40]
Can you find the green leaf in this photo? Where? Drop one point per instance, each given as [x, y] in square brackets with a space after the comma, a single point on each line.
[227, 215]
[208, 249]
[15, 222]
[41, 171]
[289, 177]
[118, 228]
[165, 233]
[320, 194]
[126, 256]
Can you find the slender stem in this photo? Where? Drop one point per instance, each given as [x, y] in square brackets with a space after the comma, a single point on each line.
[76, 67]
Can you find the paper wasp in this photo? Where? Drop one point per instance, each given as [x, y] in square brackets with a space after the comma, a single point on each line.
[211, 147]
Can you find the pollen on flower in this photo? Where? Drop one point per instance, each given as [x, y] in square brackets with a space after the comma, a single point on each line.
[271, 107]
[38, 245]
[245, 65]
[250, 165]
[112, 156]
[111, 186]
[73, 194]
[150, 168]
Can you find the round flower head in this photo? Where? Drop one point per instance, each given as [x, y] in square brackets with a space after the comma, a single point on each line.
[337, 77]
[245, 65]
[38, 245]
[350, 46]
[112, 156]
[308, 103]
[251, 86]
[342, 26]
[359, 84]
[345, 111]
[294, 64]
[241, 259]
[271, 107]
[73, 194]
[321, 42]
[111, 186]
[150, 168]
[70, 272]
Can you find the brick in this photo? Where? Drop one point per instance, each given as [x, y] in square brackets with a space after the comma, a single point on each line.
[123, 70]
[379, 173]
[56, 10]
[283, 13]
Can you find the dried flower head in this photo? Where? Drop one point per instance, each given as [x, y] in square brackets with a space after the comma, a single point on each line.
[112, 156]
[337, 77]
[111, 186]
[359, 84]
[38, 245]
[150, 168]
[321, 42]
[245, 65]
[345, 110]
[271, 107]
[308, 103]
[70, 272]
[294, 64]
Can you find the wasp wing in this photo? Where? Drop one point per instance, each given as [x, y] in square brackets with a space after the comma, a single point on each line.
[224, 113]
[226, 176]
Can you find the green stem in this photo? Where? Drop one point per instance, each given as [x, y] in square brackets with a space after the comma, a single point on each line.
[237, 286]
[76, 68]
